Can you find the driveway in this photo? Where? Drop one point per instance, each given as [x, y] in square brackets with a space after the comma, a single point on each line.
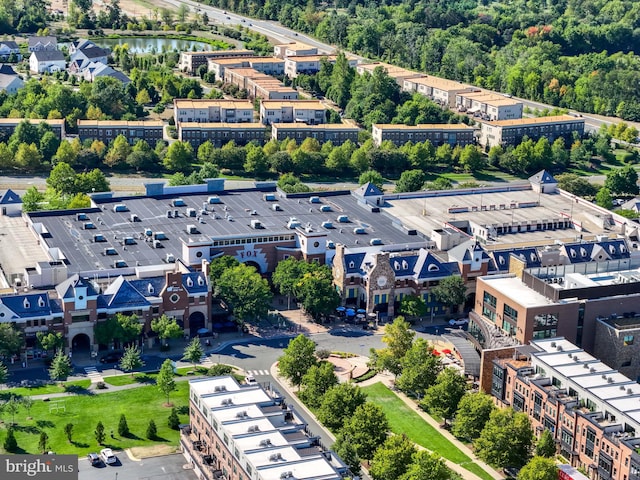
[168, 467]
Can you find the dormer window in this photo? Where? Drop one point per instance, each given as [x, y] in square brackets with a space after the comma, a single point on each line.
[352, 265]
[200, 281]
[501, 260]
[433, 267]
[573, 253]
[396, 265]
[26, 303]
[612, 249]
[41, 302]
[623, 248]
[189, 282]
[150, 288]
[405, 265]
[583, 252]
[533, 257]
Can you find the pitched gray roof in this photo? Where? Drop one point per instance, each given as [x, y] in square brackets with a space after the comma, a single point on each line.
[542, 177]
[33, 41]
[48, 55]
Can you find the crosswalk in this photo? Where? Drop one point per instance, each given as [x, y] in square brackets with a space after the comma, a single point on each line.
[94, 375]
[206, 361]
[256, 373]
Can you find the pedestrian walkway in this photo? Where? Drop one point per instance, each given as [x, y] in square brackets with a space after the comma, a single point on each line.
[94, 375]
[256, 373]
[206, 361]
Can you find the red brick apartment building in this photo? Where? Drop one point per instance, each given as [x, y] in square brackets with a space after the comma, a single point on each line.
[242, 432]
[592, 410]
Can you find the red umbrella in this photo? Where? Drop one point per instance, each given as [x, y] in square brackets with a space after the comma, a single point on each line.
[446, 351]
[436, 353]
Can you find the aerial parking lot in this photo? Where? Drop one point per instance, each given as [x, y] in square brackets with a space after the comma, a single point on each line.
[167, 467]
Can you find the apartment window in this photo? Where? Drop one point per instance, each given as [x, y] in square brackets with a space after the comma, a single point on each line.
[488, 313]
[589, 446]
[510, 312]
[490, 299]
[628, 340]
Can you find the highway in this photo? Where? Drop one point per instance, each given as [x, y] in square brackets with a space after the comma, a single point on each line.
[282, 34]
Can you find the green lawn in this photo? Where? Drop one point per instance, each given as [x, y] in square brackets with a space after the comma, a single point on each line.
[43, 390]
[84, 411]
[404, 420]
[118, 380]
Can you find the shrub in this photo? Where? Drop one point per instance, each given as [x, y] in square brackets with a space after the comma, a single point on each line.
[323, 353]
[123, 427]
[152, 430]
[101, 386]
[366, 376]
[174, 421]
[10, 443]
[219, 370]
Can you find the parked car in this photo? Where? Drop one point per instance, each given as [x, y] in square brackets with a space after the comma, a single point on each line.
[457, 322]
[108, 457]
[111, 357]
[250, 380]
[94, 459]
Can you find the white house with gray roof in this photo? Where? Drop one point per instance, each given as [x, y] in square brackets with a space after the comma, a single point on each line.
[48, 61]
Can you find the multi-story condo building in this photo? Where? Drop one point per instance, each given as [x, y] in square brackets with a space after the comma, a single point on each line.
[590, 408]
[309, 64]
[242, 432]
[511, 132]
[191, 61]
[212, 111]
[437, 134]
[440, 90]
[106, 131]
[397, 73]
[8, 125]
[293, 49]
[336, 133]
[270, 89]
[267, 65]
[221, 133]
[489, 106]
[306, 111]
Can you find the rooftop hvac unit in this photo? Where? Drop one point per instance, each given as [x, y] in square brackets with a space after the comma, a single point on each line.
[293, 223]
[121, 207]
[160, 236]
[170, 258]
[120, 264]
[129, 241]
[375, 241]
[325, 208]
[191, 212]
[269, 197]
[314, 199]
[343, 219]
[192, 229]
[256, 224]
[359, 231]
[178, 202]
[157, 244]
[169, 214]
[176, 214]
[82, 216]
[135, 218]
[331, 245]
[327, 225]
[214, 200]
[276, 207]
[99, 238]
[89, 226]
[110, 251]
[148, 232]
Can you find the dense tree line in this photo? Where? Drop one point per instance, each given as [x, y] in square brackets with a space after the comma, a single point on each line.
[570, 53]
[27, 16]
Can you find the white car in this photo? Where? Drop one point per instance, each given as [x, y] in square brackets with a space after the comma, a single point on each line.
[458, 322]
[108, 457]
[250, 379]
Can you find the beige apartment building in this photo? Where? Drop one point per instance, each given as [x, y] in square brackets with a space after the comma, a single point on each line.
[336, 133]
[221, 133]
[107, 130]
[437, 134]
[208, 111]
[191, 61]
[306, 111]
[489, 106]
[511, 132]
[440, 90]
[292, 49]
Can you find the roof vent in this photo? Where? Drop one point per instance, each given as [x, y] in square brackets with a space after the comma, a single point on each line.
[256, 224]
[559, 348]
[553, 344]
[170, 258]
[178, 202]
[629, 391]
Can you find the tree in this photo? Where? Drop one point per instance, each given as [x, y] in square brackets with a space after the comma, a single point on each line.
[68, 432]
[346, 450]
[297, 359]
[60, 366]
[440, 183]
[398, 336]
[471, 159]
[32, 199]
[179, 157]
[10, 443]
[420, 368]
[287, 275]
[604, 199]
[118, 152]
[622, 181]
[12, 406]
[451, 291]
[244, 289]
[316, 382]
[443, 397]
[576, 185]
[62, 179]
[392, 459]
[474, 410]
[49, 341]
[410, 181]
[413, 306]
[27, 403]
[99, 433]
[152, 430]
[539, 468]
[166, 327]
[219, 265]
[165, 381]
[129, 327]
[427, 466]
[317, 293]
[194, 351]
[371, 176]
[28, 157]
[546, 445]
[131, 359]
[367, 428]
[173, 421]
[123, 426]
[506, 439]
[4, 374]
[339, 403]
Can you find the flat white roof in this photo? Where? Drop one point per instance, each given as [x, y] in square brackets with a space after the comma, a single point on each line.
[242, 427]
[265, 457]
[617, 391]
[252, 442]
[206, 386]
[314, 468]
[236, 413]
[513, 288]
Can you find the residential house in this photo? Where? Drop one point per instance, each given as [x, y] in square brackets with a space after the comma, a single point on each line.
[10, 83]
[9, 48]
[489, 105]
[37, 44]
[89, 53]
[47, 61]
[94, 70]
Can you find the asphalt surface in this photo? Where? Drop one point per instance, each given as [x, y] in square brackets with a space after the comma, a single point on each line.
[168, 467]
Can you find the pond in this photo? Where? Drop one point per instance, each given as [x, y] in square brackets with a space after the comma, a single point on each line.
[152, 44]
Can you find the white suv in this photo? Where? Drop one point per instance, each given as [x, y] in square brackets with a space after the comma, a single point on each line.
[107, 456]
